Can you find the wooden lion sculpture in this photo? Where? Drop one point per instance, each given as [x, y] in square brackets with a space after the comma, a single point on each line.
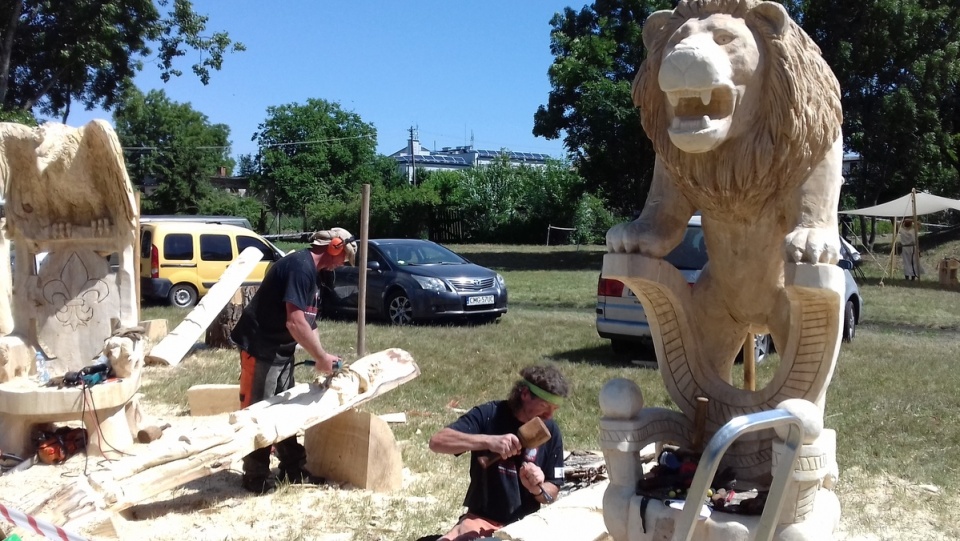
[745, 117]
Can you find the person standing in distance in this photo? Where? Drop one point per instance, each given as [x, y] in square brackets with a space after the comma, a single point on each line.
[524, 479]
[910, 250]
[281, 315]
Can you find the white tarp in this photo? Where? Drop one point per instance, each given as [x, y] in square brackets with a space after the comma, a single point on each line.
[903, 206]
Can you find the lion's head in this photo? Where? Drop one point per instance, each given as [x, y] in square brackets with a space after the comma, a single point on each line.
[735, 96]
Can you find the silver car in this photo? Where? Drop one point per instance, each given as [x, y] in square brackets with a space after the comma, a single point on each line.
[620, 316]
[411, 280]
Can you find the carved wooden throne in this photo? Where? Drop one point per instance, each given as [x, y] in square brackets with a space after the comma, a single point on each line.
[71, 214]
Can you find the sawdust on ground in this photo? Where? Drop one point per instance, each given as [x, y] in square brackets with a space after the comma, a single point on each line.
[216, 508]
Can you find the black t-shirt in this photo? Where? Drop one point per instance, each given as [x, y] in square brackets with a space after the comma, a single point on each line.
[496, 492]
[262, 329]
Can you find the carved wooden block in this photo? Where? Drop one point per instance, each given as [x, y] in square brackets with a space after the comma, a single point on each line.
[154, 329]
[16, 358]
[213, 399]
[358, 448]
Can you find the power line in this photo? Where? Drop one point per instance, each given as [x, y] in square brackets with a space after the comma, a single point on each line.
[272, 145]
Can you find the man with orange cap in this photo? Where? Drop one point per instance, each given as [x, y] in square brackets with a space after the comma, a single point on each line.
[281, 315]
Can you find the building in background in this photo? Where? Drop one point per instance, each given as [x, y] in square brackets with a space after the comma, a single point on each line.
[414, 156]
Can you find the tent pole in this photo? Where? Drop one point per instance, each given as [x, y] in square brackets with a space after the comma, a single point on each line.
[893, 243]
[916, 224]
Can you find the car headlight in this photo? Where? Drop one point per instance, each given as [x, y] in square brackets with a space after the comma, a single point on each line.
[430, 284]
[501, 281]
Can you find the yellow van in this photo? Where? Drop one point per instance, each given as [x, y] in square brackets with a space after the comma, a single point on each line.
[180, 261]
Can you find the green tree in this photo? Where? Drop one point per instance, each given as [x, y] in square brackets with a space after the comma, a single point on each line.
[312, 152]
[597, 52]
[54, 53]
[898, 64]
[898, 74]
[173, 144]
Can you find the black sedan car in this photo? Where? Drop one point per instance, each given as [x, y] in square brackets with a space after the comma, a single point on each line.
[412, 280]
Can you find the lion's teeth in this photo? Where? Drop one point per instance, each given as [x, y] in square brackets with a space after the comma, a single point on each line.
[705, 96]
[674, 98]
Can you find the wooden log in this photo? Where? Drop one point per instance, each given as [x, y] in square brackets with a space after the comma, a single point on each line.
[218, 333]
[168, 465]
[174, 347]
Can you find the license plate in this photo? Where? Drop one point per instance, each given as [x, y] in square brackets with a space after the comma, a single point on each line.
[479, 300]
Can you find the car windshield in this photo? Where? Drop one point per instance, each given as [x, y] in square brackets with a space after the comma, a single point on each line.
[691, 254]
[419, 253]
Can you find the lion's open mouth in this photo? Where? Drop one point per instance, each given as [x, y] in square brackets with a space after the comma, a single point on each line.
[694, 109]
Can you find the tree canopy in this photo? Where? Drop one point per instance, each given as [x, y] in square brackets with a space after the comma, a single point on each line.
[312, 151]
[897, 61]
[174, 145]
[597, 52]
[57, 53]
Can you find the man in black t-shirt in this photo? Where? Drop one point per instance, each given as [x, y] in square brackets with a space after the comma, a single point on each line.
[523, 479]
[281, 315]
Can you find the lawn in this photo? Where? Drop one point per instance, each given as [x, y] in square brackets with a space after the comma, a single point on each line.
[893, 399]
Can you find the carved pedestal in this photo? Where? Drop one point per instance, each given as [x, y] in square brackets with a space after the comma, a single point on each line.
[103, 409]
[810, 312]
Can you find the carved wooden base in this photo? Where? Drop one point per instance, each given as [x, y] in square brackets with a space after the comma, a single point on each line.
[102, 409]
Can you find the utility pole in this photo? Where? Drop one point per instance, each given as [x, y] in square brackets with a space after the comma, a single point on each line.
[413, 160]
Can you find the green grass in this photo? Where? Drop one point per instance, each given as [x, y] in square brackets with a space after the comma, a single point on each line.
[893, 399]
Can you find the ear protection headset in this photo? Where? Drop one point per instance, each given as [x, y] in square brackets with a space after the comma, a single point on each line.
[337, 245]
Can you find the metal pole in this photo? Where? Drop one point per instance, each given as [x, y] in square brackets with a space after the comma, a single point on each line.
[362, 295]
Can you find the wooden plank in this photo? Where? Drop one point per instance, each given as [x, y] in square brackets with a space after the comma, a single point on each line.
[174, 347]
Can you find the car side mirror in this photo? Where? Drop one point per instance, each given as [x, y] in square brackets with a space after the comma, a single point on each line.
[373, 265]
[845, 264]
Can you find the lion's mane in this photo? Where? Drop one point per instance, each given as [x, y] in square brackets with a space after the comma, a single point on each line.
[797, 121]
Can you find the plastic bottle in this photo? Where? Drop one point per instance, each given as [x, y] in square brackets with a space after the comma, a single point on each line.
[42, 373]
[102, 359]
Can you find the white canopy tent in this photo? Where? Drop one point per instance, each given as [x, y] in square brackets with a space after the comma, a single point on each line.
[903, 206]
[913, 204]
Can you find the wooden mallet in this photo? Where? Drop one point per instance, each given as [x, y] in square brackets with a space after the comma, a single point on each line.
[532, 434]
[151, 433]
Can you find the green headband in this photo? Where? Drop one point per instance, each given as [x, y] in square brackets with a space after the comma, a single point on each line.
[556, 400]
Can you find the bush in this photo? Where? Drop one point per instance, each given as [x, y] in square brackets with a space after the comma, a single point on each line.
[221, 203]
[592, 220]
[404, 212]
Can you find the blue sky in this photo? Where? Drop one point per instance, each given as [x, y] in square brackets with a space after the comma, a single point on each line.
[452, 69]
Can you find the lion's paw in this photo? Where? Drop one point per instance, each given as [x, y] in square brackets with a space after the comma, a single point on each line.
[812, 245]
[636, 238]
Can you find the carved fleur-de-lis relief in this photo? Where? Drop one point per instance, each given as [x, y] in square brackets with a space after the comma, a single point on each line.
[75, 294]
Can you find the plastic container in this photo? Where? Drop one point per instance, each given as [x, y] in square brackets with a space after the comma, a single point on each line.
[43, 374]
